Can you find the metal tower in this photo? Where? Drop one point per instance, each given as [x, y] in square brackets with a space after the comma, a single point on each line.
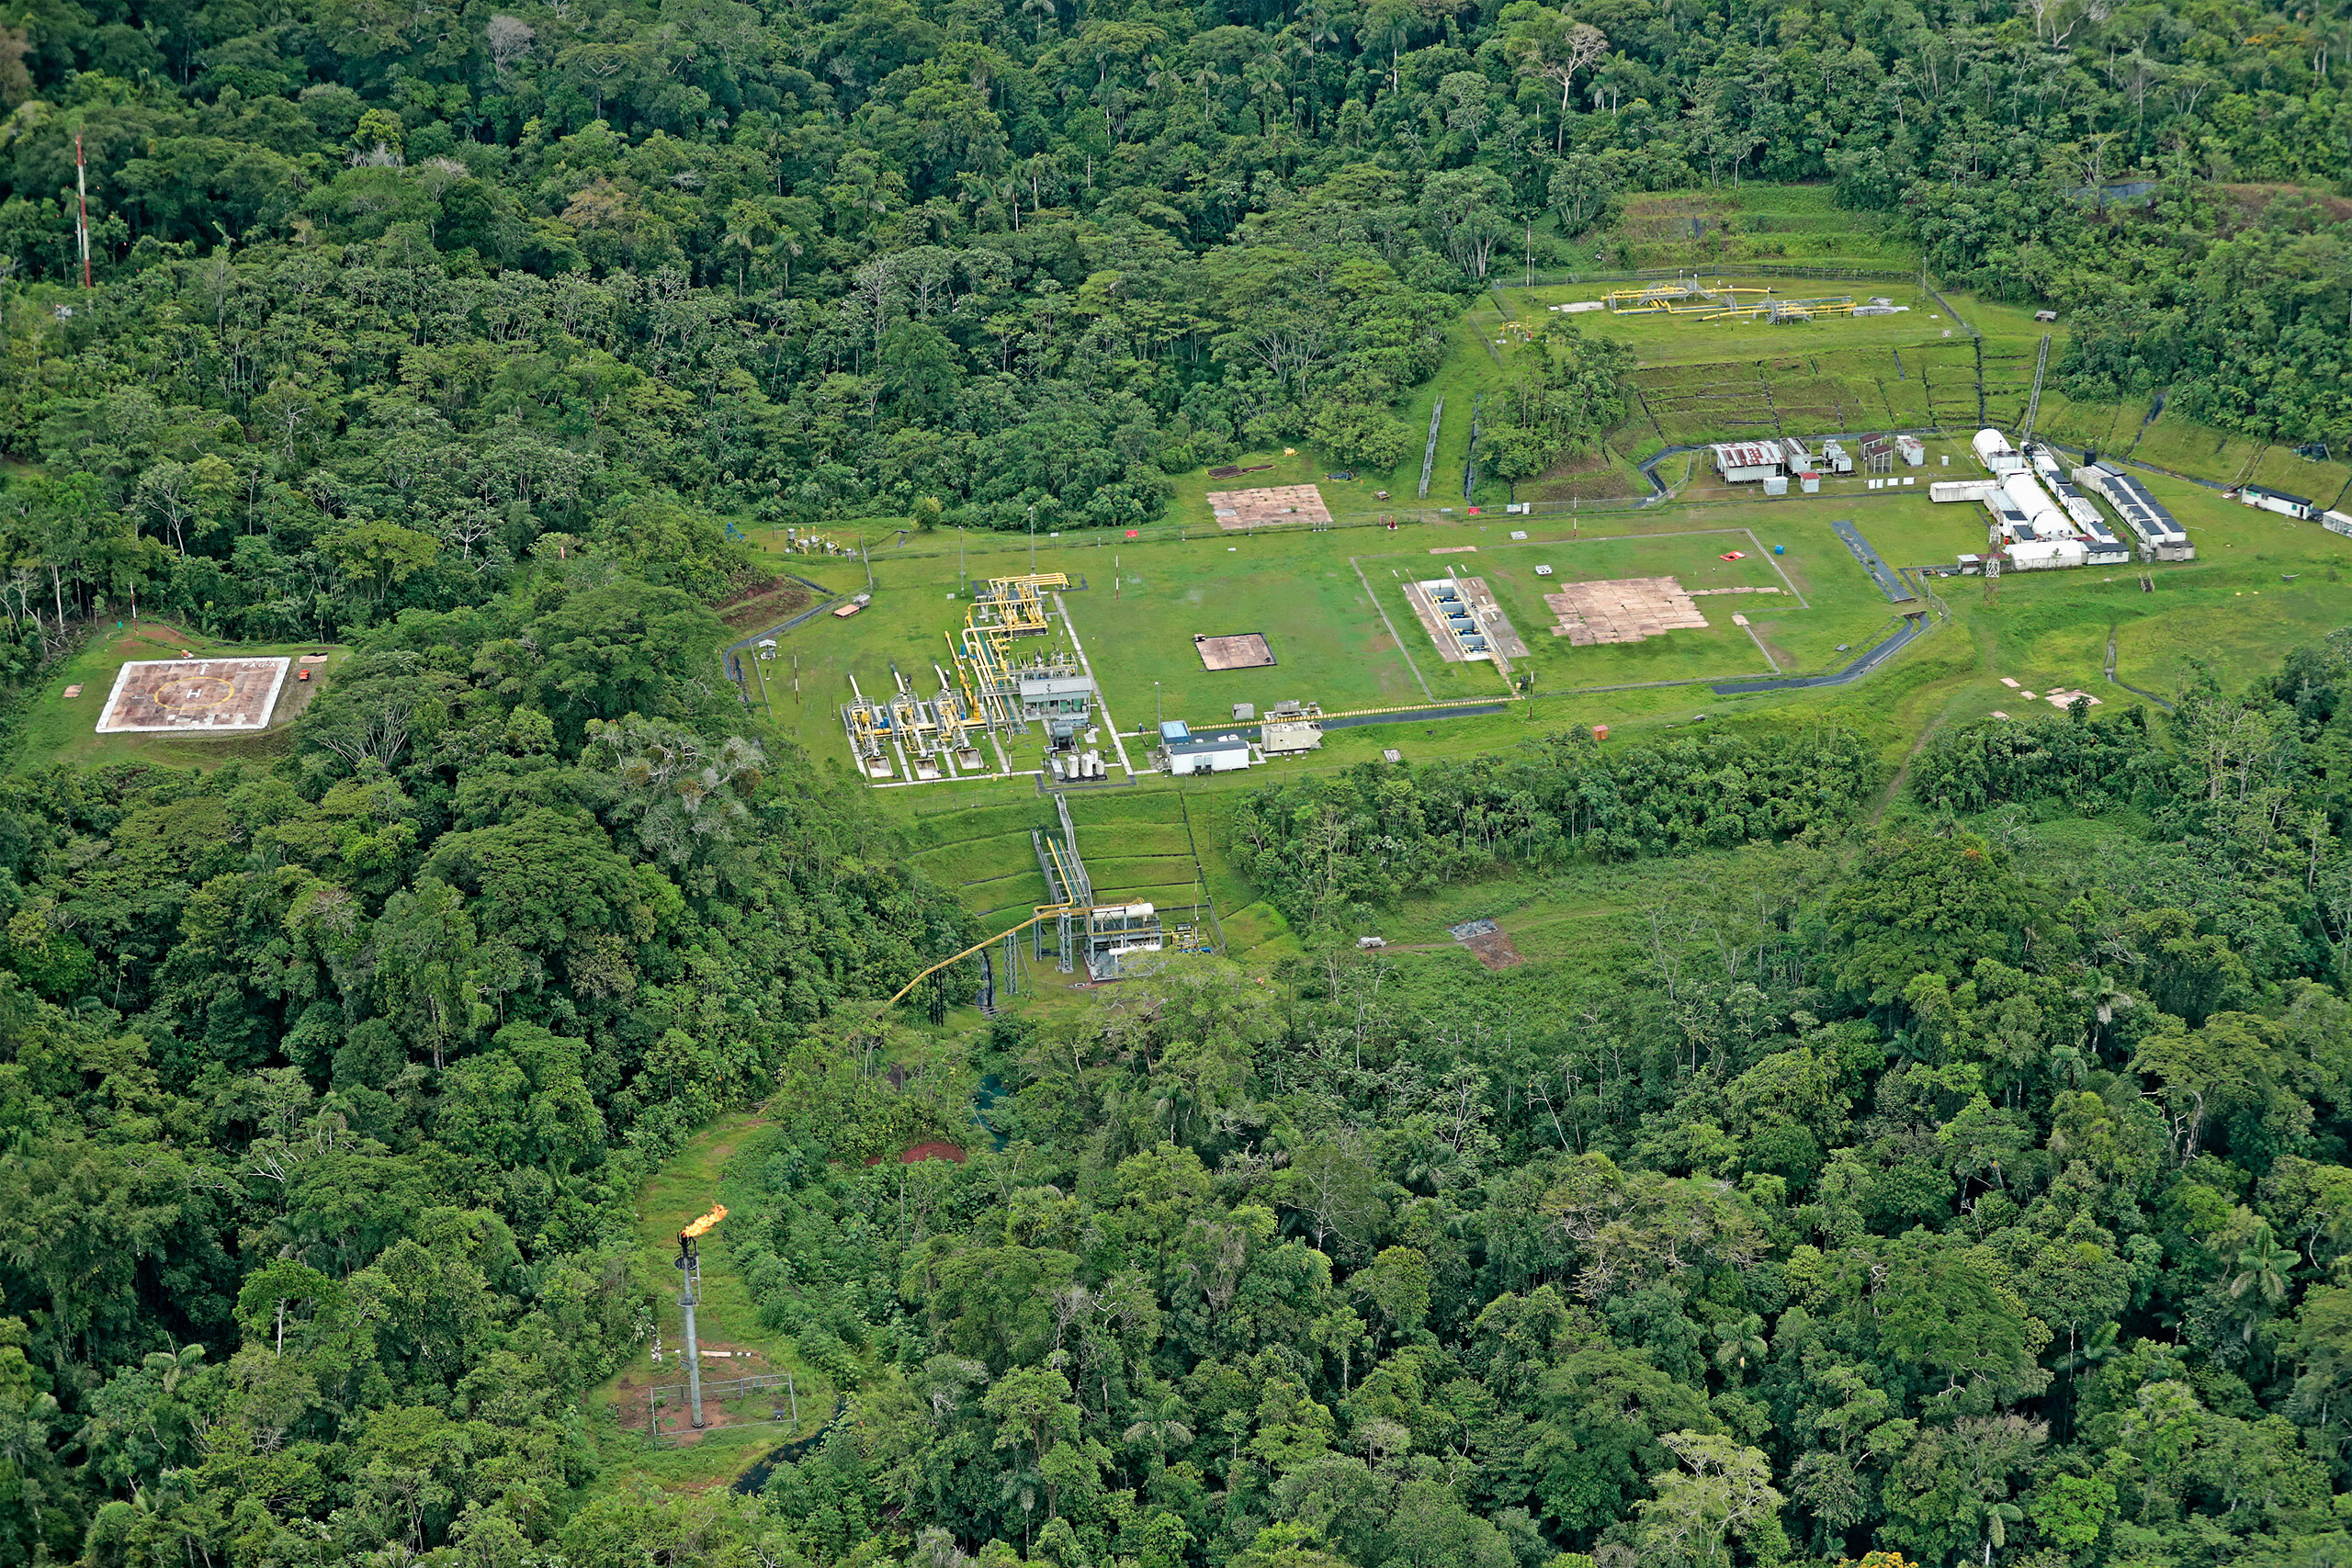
[2033, 402]
[689, 1295]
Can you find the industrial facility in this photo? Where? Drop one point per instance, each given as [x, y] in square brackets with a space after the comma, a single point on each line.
[1014, 668]
[1105, 935]
[2040, 518]
[1775, 460]
[2144, 517]
[1290, 728]
[1720, 301]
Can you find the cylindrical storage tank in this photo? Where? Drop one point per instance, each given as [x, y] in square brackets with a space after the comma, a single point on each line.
[2025, 493]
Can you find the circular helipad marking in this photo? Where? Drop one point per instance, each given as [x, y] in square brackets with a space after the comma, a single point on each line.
[183, 692]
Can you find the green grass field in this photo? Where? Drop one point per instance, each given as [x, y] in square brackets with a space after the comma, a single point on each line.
[1781, 225]
[58, 729]
[1680, 339]
[2231, 610]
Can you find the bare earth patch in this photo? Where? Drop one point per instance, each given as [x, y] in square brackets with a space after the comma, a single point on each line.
[1275, 504]
[1246, 651]
[1488, 942]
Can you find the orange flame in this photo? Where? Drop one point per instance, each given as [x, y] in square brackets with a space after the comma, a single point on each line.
[702, 1226]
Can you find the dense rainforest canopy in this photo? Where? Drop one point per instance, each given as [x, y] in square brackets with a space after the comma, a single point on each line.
[1913, 1192]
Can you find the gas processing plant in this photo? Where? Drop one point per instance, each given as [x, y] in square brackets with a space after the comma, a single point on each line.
[1012, 666]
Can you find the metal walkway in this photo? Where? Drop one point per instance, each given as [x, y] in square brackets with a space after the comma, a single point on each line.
[1914, 623]
[1896, 590]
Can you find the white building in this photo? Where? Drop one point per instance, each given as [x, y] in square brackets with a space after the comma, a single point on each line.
[2044, 555]
[1208, 754]
[2280, 501]
[1743, 462]
[1993, 450]
[2034, 503]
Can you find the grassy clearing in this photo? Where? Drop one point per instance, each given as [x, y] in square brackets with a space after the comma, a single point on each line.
[58, 729]
[729, 1151]
[1783, 224]
[1680, 339]
[2230, 608]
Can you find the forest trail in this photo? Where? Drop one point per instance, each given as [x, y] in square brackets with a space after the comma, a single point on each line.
[1902, 775]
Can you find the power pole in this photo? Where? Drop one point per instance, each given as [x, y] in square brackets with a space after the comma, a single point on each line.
[690, 1261]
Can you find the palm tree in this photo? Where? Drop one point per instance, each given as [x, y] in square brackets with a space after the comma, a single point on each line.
[2085, 1354]
[1739, 1343]
[2264, 1271]
[1993, 1520]
[1209, 77]
[2107, 998]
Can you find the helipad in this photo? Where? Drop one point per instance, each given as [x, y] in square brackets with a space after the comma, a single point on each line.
[177, 695]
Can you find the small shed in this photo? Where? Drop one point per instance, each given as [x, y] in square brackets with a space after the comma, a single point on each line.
[1213, 754]
[1046, 697]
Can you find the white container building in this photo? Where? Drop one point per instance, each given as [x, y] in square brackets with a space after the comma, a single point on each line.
[2044, 555]
[2144, 518]
[1993, 450]
[1913, 451]
[2029, 499]
[1963, 490]
[1743, 462]
[1215, 754]
[2280, 501]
